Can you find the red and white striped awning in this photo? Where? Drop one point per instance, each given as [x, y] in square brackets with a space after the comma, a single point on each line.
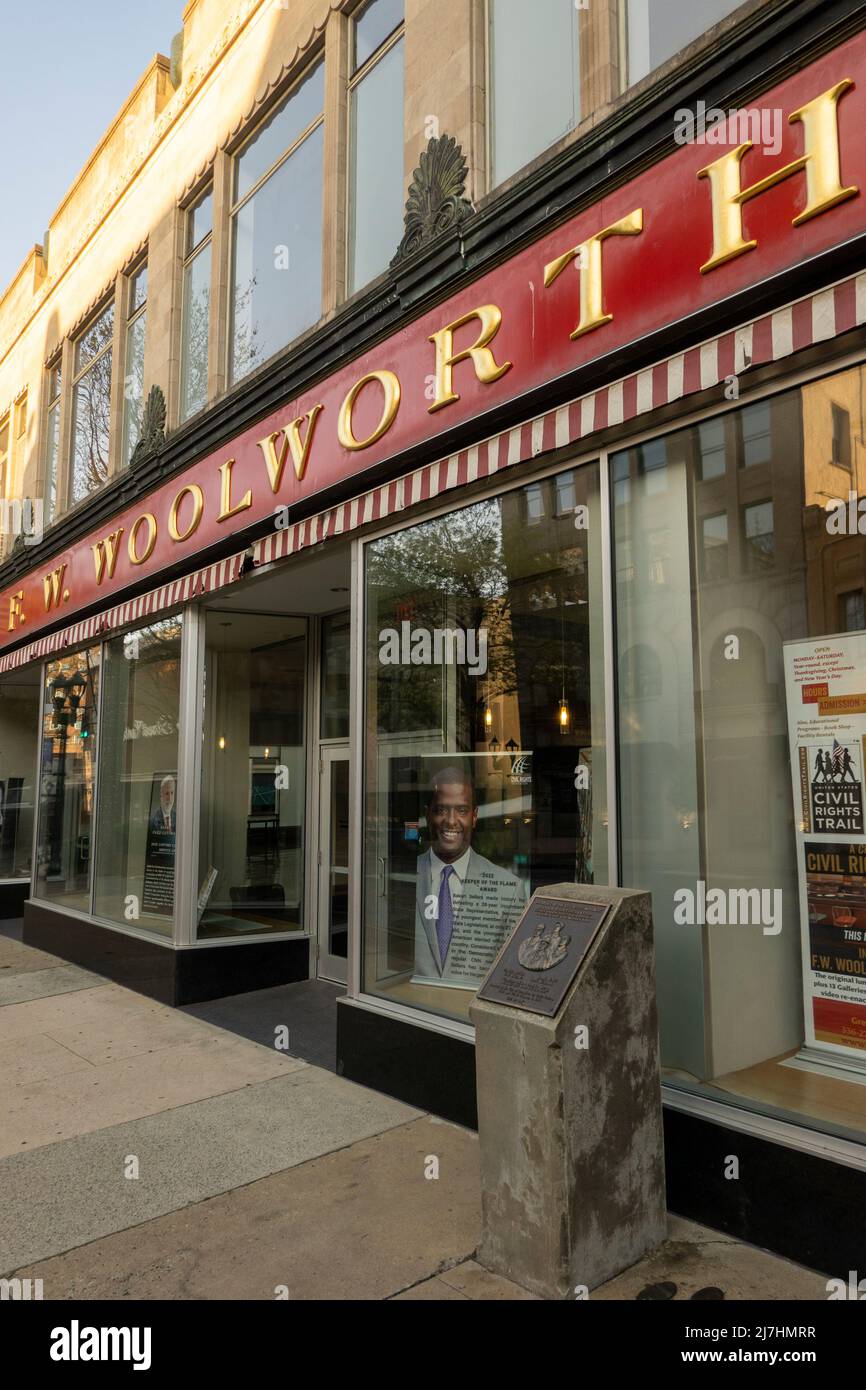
[815, 318]
[136, 610]
[811, 320]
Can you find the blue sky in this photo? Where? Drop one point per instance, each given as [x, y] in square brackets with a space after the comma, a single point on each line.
[68, 67]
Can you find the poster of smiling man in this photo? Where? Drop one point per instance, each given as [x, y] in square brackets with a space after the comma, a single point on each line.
[471, 878]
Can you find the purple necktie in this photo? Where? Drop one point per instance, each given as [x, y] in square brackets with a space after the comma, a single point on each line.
[445, 915]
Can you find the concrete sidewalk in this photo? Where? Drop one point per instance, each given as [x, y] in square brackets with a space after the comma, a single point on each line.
[148, 1153]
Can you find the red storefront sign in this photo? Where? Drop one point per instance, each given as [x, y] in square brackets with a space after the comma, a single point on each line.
[702, 225]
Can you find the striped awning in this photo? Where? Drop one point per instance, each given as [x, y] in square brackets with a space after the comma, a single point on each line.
[136, 610]
[816, 318]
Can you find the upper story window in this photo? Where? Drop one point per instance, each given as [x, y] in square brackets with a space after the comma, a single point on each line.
[20, 423]
[4, 455]
[534, 80]
[52, 442]
[277, 228]
[712, 459]
[655, 30]
[533, 502]
[757, 426]
[91, 406]
[376, 140]
[196, 306]
[840, 436]
[133, 378]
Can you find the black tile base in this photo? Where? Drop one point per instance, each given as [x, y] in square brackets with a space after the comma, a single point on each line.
[425, 1069]
[806, 1208]
[159, 971]
[12, 898]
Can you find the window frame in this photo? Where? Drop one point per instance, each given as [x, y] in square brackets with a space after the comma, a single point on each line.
[353, 80]
[836, 412]
[586, 108]
[706, 551]
[5, 453]
[622, 25]
[133, 315]
[574, 458]
[235, 205]
[53, 407]
[754, 558]
[76, 377]
[190, 255]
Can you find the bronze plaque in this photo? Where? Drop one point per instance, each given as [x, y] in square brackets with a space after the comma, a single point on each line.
[542, 956]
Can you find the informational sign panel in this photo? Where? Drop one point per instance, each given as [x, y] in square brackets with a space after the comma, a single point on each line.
[825, 681]
[159, 857]
[543, 954]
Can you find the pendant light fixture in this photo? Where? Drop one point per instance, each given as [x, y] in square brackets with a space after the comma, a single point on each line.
[221, 741]
[563, 714]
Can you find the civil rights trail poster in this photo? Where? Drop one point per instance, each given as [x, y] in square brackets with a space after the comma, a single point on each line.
[825, 684]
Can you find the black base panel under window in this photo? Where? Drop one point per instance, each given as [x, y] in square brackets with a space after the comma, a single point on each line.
[215, 971]
[13, 896]
[428, 1070]
[160, 972]
[799, 1206]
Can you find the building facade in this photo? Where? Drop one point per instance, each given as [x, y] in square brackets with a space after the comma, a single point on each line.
[424, 434]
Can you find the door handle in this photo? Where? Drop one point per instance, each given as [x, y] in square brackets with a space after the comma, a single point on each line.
[383, 877]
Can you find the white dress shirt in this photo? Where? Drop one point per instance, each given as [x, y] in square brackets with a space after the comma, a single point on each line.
[455, 880]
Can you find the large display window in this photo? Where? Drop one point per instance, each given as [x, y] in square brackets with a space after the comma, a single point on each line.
[739, 580]
[484, 750]
[138, 793]
[67, 779]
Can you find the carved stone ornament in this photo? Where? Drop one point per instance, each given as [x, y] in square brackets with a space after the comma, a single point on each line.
[436, 203]
[152, 435]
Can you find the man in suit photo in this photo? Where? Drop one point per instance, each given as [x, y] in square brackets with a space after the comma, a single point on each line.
[165, 816]
[465, 904]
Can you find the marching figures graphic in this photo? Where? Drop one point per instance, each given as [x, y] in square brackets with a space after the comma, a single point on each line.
[833, 766]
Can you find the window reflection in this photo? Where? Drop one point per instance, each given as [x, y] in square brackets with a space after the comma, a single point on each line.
[66, 779]
[138, 777]
[705, 771]
[656, 30]
[485, 700]
[535, 96]
[92, 407]
[376, 142]
[277, 230]
[196, 307]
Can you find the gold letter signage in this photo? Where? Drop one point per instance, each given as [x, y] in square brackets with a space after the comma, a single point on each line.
[820, 163]
[588, 253]
[391, 388]
[486, 369]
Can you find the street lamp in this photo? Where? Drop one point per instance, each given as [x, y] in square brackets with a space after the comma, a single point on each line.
[76, 685]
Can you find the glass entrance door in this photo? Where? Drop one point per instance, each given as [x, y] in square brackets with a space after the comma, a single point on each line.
[333, 858]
